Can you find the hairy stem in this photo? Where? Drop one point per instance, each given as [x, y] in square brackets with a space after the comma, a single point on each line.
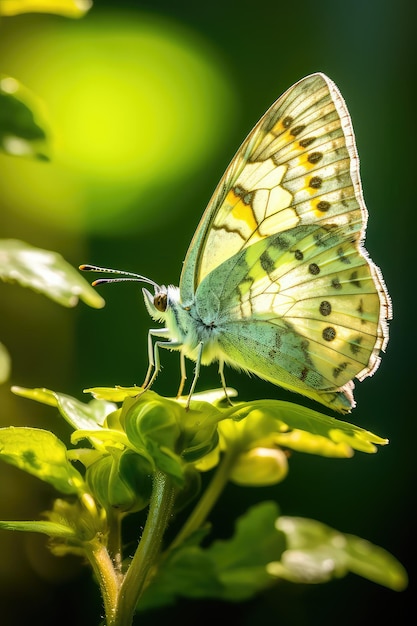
[107, 577]
[160, 511]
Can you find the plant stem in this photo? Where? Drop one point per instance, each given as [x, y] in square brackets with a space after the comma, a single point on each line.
[160, 511]
[208, 499]
[106, 575]
[114, 547]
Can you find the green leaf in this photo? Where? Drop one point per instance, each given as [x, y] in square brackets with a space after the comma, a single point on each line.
[46, 272]
[317, 553]
[114, 394]
[41, 453]
[80, 415]
[68, 8]
[234, 569]
[22, 131]
[294, 426]
[374, 563]
[188, 572]
[45, 396]
[52, 529]
[241, 562]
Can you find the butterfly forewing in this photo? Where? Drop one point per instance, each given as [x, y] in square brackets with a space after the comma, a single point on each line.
[296, 167]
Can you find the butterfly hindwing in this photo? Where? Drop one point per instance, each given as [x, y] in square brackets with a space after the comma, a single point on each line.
[298, 308]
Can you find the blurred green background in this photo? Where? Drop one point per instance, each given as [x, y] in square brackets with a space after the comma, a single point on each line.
[147, 103]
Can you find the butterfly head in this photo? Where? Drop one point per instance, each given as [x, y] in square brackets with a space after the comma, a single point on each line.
[156, 304]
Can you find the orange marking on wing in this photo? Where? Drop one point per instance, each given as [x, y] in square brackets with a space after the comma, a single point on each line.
[278, 128]
[303, 160]
[314, 210]
[242, 211]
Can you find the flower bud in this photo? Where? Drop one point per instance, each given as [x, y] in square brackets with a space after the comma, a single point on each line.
[260, 467]
[121, 480]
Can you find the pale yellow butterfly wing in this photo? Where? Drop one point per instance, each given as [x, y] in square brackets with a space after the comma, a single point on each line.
[298, 167]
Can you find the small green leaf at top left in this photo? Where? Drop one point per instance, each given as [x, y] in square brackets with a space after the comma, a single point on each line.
[23, 128]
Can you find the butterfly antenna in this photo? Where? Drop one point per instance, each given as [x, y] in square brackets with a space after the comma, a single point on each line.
[123, 276]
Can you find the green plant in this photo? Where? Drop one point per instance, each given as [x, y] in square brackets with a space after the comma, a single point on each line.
[148, 454]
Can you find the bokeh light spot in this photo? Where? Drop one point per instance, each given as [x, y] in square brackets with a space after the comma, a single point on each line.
[137, 104]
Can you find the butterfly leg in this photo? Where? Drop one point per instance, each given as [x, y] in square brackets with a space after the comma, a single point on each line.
[153, 332]
[170, 345]
[154, 360]
[196, 373]
[223, 381]
[183, 374]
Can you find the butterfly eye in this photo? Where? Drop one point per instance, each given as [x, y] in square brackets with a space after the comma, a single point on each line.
[160, 302]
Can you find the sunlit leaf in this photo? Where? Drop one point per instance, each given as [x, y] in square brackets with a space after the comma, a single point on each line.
[46, 272]
[297, 427]
[118, 394]
[4, 364]
[317, 553]
[80, 415]
[68, 8]
[22, 127]
[41, 453]
[45, 396]
[83, 415]
[103, 438]
[213, 396]
[114, 394]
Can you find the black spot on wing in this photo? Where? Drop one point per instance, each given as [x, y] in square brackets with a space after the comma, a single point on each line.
[315, 182]
[267, 263]
[307, 141]
[314, 157]
[329, 333]
[323, 206]
[325, 308]
[314, 269]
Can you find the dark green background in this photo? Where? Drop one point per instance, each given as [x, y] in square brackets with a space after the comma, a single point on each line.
[368, 49]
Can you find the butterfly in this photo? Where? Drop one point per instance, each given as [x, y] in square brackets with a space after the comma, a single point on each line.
[276, 281]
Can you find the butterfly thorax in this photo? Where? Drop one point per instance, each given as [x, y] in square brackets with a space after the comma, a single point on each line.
[186, 325]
